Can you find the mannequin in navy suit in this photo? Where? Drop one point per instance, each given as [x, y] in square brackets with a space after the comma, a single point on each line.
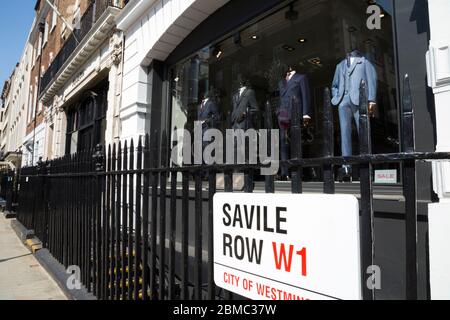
[208, 112]
[346, 92]
[294, 93]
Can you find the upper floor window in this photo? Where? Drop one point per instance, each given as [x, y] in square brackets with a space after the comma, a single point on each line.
[45, 34]
[54, 20]
[39, 47]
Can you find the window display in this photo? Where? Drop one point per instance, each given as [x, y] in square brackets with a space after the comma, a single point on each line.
[282, 62]
[354, 69]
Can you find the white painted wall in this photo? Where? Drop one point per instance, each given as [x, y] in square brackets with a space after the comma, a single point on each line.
[152, 29]
[16, 113]
[438, 60]
[39, 146]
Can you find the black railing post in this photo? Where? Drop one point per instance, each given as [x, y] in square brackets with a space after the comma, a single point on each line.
[409, 191]
[172, 293]
[328, 144]
[198, 222]
[211, 192]
[107, 285]
[155, 151]
[367, 241]
[131, 216]
[119, 223]
[146, 220]
[139, 267]
[99, 159]
[296, 147]
[229, 186]
[113, 265]
[9, 184]
[124, 246]
[43, 171]
[248, 173]
[269, 180]
[162, 217]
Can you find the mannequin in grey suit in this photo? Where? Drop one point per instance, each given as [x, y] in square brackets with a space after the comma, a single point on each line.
[346, 92]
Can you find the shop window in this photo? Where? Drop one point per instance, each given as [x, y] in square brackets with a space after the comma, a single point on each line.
[296, 51]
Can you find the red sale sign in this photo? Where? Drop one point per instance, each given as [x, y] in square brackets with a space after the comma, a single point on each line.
[287, 247]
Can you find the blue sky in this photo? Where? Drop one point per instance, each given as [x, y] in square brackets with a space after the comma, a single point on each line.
[16, 18]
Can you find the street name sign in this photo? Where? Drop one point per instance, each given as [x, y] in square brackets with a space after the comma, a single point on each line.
[287, 247]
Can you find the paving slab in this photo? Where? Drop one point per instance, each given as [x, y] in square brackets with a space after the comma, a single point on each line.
[21, 275]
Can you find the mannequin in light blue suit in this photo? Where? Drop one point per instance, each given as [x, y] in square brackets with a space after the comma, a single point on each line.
[345, 95]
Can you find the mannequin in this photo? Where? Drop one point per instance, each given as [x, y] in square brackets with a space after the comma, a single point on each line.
[345, 95]
[209, 116]
[208, 111]
[294, 93]
[244, 105]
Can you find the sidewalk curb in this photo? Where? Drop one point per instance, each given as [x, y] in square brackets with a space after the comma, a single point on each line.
[9, 214]
[60, 276]
[22, 233]
[54, 269]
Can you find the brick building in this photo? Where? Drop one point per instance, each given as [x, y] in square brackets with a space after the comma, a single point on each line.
[48, 34]
[76, 82]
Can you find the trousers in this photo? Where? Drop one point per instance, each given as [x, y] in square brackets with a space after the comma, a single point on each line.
[284, 150]
[347, 112]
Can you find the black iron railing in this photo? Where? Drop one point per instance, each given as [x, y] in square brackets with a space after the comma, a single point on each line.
[90, 17]
[8, 190]
[129, 225]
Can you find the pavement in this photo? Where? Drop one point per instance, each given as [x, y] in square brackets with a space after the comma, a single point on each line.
[21, 275]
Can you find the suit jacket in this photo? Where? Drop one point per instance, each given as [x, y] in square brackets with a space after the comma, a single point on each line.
[361, 69]
[244, 106]
[209, 113]
[294, 93]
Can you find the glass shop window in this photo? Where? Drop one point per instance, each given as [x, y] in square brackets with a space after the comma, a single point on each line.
[285, 60]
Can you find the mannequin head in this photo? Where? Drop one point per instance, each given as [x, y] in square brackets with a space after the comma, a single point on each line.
[355, 53]
[291, 68]
[203, 95]
[288, 70]
[243, 80]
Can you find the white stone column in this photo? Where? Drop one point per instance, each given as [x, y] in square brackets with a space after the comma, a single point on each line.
[60, 131]
[136, 92]
[112, 133]
[438, 65]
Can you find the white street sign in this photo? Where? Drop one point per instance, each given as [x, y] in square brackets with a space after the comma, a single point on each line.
[287, 247]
